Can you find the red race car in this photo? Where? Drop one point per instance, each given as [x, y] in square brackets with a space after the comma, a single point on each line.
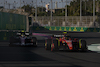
[65, 42]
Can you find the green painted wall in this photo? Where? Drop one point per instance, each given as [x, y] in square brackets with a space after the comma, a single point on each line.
[4, 35]
[77, 29]
[10, 21]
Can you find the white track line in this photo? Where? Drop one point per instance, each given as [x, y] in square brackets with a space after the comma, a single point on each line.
[98, 47]
[94, 47]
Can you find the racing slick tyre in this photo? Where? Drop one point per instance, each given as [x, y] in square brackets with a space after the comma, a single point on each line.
[11, 41]
[48, 43]
[84, 46]
[54, 46]
[34, 42]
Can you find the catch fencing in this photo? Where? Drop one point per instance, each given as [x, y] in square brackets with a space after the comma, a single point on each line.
[72, 21]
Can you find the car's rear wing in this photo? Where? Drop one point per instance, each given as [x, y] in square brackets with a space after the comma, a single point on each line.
[24, 33]
[57, 36]
[48, 35]
[43, 35]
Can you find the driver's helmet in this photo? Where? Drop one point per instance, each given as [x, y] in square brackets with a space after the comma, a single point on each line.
[67, 37]
[22, 34]
[63, 37]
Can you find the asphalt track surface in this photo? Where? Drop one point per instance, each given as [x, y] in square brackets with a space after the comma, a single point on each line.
[39, 57]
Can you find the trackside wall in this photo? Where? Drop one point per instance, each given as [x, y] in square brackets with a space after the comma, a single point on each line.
[11, 23]
[58, 28]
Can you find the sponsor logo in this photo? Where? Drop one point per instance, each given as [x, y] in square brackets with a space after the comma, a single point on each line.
[58, 35]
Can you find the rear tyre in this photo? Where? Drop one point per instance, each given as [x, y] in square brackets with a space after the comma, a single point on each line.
[14, 40]
[84, 46]
[55, 45]
[10, 45]
[11, 41]
[34, 42]
[48, 44]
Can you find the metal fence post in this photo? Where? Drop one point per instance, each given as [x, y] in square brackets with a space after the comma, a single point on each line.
[66, 12]
[51, 12]
[36, 12]
[94, 12]
[80, 12]
[27, 24]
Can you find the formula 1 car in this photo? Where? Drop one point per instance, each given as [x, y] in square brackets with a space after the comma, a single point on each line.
[65, 42]
[22, 39]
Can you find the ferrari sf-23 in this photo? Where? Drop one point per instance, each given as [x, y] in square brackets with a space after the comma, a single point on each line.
[22, 39]
[65, 42]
